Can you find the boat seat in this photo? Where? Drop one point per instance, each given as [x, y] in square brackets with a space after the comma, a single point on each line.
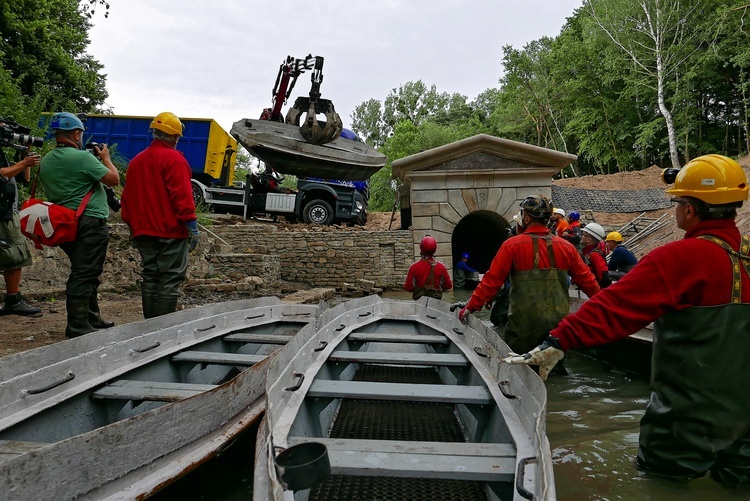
[366, 390]
[399, 338]
[445, 460]
[373, 357]
[217, 358]
[155, 391]
[245, 337]
[12, 448]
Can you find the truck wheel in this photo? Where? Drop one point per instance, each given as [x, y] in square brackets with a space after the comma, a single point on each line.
[197, 196]
[318, 212]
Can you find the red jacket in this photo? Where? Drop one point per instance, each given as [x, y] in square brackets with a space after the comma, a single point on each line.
[516, 254]
[596, 262]
[417, 275]
[675, 276]
[157, 199]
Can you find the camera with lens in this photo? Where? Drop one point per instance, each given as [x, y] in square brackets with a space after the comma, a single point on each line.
[91, 147]
[15, 135]
[112, 201]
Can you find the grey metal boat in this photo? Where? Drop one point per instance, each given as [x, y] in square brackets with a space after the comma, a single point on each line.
[398, 400]
[121, 413]
[283, 147]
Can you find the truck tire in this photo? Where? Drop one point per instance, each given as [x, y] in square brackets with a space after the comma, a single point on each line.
[197, 195]
[318, 212]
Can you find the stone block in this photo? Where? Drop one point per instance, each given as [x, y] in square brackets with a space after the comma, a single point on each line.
[448, 213]
[427, 197]
[425, 209]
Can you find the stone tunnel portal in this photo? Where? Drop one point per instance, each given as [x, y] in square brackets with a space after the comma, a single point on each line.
[479, 233]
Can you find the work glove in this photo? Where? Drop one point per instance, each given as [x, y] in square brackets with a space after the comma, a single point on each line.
[546, 356]
[194, 236]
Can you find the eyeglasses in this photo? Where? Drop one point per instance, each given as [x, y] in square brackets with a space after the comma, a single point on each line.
[678, 201]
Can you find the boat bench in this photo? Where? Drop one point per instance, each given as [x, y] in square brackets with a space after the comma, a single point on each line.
[12, 448]
[400, 358]
[366, 390]
[244, 337]
[218, 358]
[398, 338]
[154, 391]
[444, 460]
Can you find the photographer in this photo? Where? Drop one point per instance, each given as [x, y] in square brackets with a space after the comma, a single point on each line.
[14, 248]
[68, 173]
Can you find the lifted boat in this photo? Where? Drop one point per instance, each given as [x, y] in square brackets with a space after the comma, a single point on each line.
[121, 413]
[398, 400]
[282, 146]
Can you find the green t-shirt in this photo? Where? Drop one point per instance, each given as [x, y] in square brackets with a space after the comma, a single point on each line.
[67, 175]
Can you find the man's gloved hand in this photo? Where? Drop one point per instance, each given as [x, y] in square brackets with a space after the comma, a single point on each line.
[456, 306]
[546, 356]
[194, 236]
[463, 315]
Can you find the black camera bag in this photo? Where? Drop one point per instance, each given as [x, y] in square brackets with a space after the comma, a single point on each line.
[7, 198]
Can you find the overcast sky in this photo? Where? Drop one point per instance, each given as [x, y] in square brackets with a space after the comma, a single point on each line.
[219, 59]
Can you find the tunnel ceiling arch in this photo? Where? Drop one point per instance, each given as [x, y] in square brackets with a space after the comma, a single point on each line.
[480, 234]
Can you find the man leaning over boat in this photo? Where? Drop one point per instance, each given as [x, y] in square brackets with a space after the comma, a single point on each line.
[697, 293]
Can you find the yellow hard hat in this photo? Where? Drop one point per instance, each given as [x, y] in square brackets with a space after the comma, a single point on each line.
[714, 179]
[614, 237]
[167, 122]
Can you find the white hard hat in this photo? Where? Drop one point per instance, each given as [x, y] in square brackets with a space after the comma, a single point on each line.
[559, 211]
[595, 230]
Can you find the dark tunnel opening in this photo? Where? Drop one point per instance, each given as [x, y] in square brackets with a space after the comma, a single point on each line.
[480, 234]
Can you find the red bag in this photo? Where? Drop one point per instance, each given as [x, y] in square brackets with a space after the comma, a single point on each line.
[50, 224]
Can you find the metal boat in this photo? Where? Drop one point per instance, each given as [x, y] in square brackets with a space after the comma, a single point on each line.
[283, 147]
[398, 400]
[123, 412]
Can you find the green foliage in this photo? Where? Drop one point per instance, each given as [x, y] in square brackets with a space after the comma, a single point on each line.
[43, 59]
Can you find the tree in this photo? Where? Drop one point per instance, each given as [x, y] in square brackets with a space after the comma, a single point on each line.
[367, 122]
[44, 52]
[656, 37]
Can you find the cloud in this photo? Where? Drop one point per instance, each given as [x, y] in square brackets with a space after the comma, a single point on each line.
[220, 59]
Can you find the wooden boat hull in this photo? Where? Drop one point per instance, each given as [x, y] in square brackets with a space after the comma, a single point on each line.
[282, 147]
[148, 444]
[501, 409]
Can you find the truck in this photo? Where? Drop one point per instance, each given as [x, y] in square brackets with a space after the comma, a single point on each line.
[211, 153]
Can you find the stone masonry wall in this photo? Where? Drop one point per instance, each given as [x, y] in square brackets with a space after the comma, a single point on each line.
[326, 256]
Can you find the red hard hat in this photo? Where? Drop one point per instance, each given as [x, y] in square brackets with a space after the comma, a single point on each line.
[428, 245]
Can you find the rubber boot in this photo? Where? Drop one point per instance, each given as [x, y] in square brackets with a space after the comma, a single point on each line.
[149, 299]
[166, 304]
[78, 317]
[95, 316]
[15, 304]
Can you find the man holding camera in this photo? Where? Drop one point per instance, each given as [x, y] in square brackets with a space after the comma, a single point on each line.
[68, 173]
[158, 206]
[14, 249]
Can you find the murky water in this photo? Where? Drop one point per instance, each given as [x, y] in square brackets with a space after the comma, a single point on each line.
[592, 425]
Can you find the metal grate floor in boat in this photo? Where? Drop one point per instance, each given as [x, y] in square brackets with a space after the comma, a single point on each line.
[391, 420]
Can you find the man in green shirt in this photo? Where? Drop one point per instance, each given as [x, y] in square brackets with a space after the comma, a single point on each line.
[68, 173]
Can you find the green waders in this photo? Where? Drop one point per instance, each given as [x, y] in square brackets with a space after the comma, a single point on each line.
[698, 417]
[538, 301]
[164, 262]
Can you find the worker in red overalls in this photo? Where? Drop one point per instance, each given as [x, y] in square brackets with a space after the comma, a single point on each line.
[697, 293]
[428, 276]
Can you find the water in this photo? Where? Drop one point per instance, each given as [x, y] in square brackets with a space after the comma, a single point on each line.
[592, 425]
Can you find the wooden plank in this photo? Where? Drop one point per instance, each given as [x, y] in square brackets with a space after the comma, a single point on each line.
[149, 390]
[410, 447]
[399, 338]
[12, 448]
[245, 337]
[366, 390]
[218, 358]
[372, 357]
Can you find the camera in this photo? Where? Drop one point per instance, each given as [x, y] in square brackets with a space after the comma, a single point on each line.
[93, 146]
[112, 201]
[13, 134]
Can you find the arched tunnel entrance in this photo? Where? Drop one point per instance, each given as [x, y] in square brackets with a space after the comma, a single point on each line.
[479, 233]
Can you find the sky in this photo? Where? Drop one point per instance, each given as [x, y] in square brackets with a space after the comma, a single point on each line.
[219, 59]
